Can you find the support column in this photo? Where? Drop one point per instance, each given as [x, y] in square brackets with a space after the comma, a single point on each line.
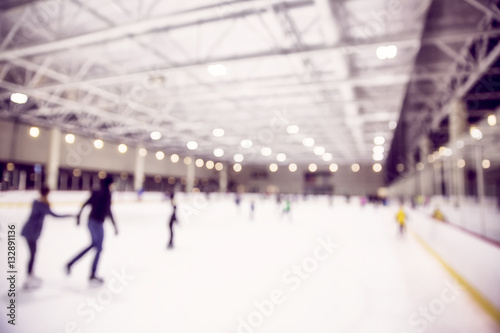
[86, 182]
[458, 125]
[53, 158]
[437, 178]
[223, 180]
[191, 172]
[63, 181]
[480, 187]
[425, 175]
[448, 177]
[75, 183]
[140, 162]
[22, 180]
[413, 181]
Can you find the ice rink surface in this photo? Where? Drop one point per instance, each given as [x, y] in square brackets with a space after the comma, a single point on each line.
[322, 268]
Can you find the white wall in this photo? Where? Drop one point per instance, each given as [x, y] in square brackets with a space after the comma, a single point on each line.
[25, 149]
[83, 155]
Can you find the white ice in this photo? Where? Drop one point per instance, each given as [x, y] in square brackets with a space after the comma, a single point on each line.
[226, 269]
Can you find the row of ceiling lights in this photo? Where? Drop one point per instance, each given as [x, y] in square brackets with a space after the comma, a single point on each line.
[174, 158]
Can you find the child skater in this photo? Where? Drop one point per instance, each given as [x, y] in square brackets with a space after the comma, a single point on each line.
[32, 230]
[401, 219]
[101, 208]
[173, 219]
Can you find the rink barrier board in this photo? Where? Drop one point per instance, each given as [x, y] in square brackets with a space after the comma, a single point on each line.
[67, 203]
[483, 302]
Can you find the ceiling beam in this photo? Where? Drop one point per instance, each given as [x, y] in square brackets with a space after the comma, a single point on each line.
[484, 9]
[151, 25]
[481, 70]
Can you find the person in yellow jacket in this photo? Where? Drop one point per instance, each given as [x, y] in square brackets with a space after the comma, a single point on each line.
[401, 219]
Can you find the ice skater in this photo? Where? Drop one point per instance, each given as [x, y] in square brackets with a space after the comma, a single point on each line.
[401, 219]
[101, 208]
[173, 219]
[32, 230]
[287, 208]
[252, 209]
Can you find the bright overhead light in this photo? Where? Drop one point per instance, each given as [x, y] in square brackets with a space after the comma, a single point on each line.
[292, 167]
[442, 151]
[246, 143]
[237, 167]
[210, 165]
[378, 157]
[174, 158]
[420, 166]
[192, 145]
[379, 140]
[377, 167]
[355, 167]
[19, 98]
[378, 150]
[308, 142]
[460, 144]
[160, 155]
[70, 138]
[98, 144]
[199, 163]
[219, 166]
[238, 158]
[319, 151]
[486, 164]
[334, 167]
[393, 124]
[266, 151]
[218, 152]
[327, 157]
[387, 52]
[476, 133]
[143, 152]
[218, 132]
[461, 163]
[492, 120]
[122, 148]
[217, 70]
[312, 167]
[155, 135]
[273, 167]
[188, 160]
[34, 132]
[281, 157]
[292, 129]
[400, 167]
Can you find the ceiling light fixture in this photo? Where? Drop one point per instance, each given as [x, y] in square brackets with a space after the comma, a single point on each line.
[218, 132]
[192, 145]
[308, 142]
[155, 135]
[217, 70]
[19, 98]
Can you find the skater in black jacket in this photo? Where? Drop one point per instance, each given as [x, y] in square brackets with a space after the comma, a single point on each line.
[173, 219]
[101, 208]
